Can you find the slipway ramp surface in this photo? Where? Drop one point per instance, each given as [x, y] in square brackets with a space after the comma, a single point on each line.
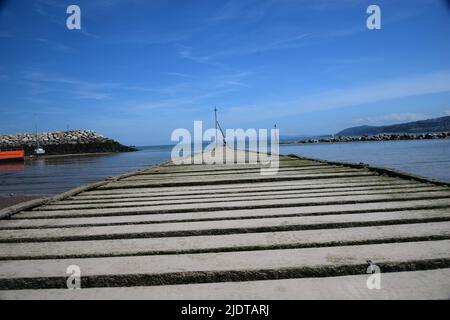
[224, 231]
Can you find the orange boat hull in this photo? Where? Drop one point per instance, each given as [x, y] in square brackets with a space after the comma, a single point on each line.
[14, 155]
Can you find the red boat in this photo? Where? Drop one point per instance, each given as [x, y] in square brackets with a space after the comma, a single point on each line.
[12, 155]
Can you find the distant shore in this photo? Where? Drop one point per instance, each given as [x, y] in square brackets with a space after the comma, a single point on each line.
[378, 137]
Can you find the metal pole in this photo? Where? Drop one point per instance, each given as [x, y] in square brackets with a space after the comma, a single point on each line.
[36, 131]
[215, 122]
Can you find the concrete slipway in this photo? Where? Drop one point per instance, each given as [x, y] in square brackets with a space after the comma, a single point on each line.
[227, 232]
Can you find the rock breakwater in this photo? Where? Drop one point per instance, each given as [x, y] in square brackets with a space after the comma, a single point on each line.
[383, 137]
[63, 142]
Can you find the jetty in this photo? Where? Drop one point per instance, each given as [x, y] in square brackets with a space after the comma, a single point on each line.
[62, 142]
[315, 230]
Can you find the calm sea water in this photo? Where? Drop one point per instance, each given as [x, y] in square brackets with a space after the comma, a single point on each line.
[428, 158]
[54, 175]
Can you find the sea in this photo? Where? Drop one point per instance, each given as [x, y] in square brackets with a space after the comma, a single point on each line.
[52, 175]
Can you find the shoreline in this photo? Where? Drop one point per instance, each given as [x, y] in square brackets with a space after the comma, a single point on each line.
[296, 143]
[9, 201]
[50, 156]
[378, 138]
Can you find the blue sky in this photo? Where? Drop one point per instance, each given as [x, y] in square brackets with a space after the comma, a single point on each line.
[139, 69]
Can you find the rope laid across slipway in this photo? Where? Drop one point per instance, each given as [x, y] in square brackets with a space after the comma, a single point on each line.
[200, 231]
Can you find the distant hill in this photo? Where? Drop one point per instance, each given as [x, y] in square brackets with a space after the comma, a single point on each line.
[424, 126]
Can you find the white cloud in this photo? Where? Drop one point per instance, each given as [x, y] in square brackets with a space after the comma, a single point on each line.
[186, 53]
[404, 117]
[248, 11]
[177, 74]
[47, 9]
[42, 83]
[394, 118]
[54, 45]
[382, 90]
[379, 91]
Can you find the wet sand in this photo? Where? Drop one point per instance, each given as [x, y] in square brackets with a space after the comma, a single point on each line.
[10, 201]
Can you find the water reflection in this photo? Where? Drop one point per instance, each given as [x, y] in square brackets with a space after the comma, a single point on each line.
[13, 166]
[429, 158]
[51, 175]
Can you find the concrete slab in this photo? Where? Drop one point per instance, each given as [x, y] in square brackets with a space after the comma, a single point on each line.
[239, 203]
[281, 190]
[227, 213]
[187, 217]
[218, 227]
[415, 285]
[326, 183]
[80, 204]
[237, 173]
[170, 225]
[224, 180]
[233, 242]
[135, 268]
